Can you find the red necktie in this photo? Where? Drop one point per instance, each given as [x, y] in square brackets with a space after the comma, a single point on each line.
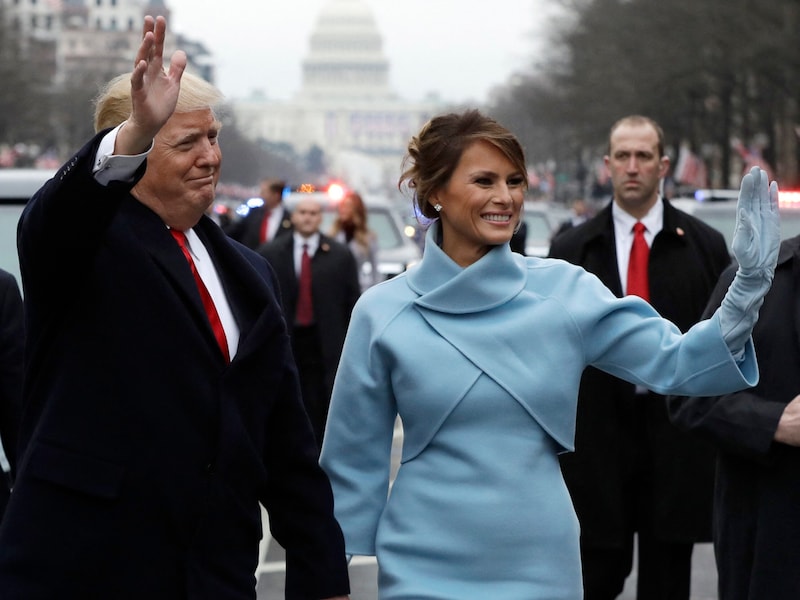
[305, 309]
[208, 303]
[264, 227]
[638, 283]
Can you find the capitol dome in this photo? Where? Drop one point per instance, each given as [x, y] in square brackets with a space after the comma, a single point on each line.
[345, 58]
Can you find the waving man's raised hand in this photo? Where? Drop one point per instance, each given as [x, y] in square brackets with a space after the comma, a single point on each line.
[154, 91]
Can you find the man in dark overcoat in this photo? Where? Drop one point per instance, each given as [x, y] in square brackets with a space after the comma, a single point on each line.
[632, 472]
[757, 435]
[263, 222]
[334, 290]
[12, 341]
[161, 402]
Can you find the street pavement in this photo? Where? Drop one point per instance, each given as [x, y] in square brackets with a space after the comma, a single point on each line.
[363, 570]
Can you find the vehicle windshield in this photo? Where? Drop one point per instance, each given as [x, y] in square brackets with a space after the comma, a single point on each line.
[724, 221]
[379, 220]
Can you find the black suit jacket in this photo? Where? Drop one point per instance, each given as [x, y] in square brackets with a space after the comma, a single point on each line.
[756, 516]
[613, 427]
[247, 230]
[334, 290]
[12, 340]
[143, 455]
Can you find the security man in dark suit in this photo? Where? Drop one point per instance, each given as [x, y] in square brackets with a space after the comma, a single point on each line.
[12, 342]
[161, 401]
[318, 335]
[632, 471]
[265, 223]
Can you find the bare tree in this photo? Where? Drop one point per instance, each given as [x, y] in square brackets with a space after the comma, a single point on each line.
[710, 72]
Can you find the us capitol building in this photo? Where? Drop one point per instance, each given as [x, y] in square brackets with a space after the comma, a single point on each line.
[345, 105]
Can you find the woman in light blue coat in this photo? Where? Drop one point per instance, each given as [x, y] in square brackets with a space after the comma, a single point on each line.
[480, 353]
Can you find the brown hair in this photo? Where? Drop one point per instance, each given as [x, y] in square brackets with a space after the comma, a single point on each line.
[433, 154]
[275, 186]
[357, 226]
[113, 104]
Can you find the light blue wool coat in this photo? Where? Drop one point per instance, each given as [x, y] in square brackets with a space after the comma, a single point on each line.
[482, 364]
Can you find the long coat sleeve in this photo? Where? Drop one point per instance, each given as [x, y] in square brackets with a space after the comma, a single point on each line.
[614, 426]
[143, 455]
[12, 341]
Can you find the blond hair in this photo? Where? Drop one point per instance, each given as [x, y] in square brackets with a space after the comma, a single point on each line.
[113, 104]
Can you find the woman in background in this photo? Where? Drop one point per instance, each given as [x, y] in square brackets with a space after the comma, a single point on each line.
[350, 227]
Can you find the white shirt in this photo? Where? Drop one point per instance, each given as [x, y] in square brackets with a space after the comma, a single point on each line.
[110, 167]
[275, 220]
[623, 234]
[313, 243]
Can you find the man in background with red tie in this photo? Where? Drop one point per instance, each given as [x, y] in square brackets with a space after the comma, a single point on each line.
[318, 279]
[263, 224]
[633, 474]
[161, 401]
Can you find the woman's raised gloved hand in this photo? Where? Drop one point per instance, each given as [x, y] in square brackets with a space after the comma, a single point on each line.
[756, 241]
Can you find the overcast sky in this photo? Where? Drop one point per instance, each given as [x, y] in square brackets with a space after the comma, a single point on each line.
[457, 48]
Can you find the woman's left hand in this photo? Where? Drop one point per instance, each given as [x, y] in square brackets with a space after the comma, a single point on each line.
[757, 235]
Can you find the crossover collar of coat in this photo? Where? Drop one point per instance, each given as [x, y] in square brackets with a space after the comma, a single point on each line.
[446, 287]
[484, 311]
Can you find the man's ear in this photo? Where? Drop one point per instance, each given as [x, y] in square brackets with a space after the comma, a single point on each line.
[664, 166]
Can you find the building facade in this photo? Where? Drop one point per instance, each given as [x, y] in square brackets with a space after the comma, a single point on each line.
[76, 37]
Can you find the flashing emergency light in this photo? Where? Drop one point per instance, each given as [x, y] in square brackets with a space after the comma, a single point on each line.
[336, 191]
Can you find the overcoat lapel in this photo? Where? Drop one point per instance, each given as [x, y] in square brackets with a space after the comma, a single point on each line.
[599, 252]
[250, 299]
[255, 307]
[162, 248]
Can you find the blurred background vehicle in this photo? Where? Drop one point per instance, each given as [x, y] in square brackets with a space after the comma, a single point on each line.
[541, 219]
[718, 209]
[16, 188]
[397, 249]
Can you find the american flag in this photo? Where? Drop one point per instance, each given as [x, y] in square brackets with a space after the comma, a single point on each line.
[690, 169]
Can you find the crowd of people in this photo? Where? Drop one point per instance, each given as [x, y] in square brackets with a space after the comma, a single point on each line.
[177, 376]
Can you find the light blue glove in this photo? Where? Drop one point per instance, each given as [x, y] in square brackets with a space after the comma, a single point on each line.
[756, 240]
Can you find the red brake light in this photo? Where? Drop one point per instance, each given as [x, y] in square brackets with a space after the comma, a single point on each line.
[789, 198]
